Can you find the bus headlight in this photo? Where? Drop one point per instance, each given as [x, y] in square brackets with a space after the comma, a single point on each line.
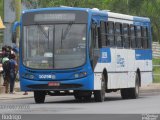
[80, 75]
[28, 76]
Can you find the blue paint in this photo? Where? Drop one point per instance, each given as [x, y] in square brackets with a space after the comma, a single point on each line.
[86, 82]
[141, 21]
[143, 54]
[64, 76]
[105, 55]
[15, 26]
[98, 18]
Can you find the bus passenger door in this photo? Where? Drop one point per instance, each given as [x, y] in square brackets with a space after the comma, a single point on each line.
[94, 49]
[95, 55]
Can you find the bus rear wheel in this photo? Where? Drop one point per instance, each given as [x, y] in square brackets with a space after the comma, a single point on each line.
[39, 96]
[99, 95]
[131, 93]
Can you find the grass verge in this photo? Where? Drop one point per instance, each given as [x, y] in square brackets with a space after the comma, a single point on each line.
[156, 70]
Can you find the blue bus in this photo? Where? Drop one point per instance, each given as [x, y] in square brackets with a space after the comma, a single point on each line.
[83, 52]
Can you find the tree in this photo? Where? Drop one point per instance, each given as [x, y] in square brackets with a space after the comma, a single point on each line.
[1, 8]
[146, 8]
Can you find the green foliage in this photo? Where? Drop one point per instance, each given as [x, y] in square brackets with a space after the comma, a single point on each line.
[72, 3]
[1, 8]
[156, 70]
[156, 61]
[146, 8]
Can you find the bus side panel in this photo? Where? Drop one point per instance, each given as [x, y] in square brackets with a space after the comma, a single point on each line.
[144, 64]
[131, 68]
[124, 76]
[146, 78]
[97, 81]
[106, 61]
[121, 68]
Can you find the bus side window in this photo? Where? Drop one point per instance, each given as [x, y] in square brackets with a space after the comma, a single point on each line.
[138, 37]
[96, 41]
[132, 36]
[110, 41]
[103, 33]
[145, 37]
[126, 42]
[98, 38]
[118, 34]
[93, 43]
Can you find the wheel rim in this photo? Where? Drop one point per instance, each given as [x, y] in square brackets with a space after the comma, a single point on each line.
[137, 89]
[137, 86]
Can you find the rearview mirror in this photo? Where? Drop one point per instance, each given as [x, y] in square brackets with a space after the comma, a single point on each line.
[14, 34]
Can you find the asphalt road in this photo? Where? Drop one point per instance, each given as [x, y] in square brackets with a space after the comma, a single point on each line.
[147, 103]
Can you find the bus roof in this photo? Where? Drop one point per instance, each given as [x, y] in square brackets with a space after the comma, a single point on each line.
[56, 8]
[94, 11]
[127, 17]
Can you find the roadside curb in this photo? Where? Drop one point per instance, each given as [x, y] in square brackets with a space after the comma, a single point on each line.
[17, 95]
[154, 87]
[149, 90]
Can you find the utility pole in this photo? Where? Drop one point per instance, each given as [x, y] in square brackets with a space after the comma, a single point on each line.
[18, 14]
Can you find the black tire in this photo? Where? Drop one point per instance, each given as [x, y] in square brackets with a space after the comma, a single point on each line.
[82, 95]
[131, 93]
[135, 91]
[99, 95]
[82, 98]
[77, 97]
[39, 96]
[125, 93]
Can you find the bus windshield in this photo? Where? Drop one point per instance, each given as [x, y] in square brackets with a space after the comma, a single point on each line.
[56, 46]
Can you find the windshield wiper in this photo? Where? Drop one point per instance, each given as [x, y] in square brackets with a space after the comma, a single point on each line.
[46, 37]
[43, 31]
[67, 30]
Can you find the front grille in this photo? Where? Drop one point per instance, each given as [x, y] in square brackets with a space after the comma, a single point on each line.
[61, 87]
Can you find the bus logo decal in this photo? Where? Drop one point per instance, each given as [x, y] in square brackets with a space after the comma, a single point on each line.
[120, 61]
[104, 54]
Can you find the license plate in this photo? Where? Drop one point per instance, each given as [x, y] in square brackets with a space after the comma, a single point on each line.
[53, 84]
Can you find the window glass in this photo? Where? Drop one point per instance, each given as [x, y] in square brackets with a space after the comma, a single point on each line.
[118, 36]
[126, 39]
[103, 33]
[138, 36]
[56, 46]
[110, 34]
[132, 36]
[145, 37]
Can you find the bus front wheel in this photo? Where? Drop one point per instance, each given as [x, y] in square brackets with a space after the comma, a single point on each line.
[99, 95]
[39, 96]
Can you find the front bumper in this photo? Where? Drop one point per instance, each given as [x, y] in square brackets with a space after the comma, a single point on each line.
[86, 83]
